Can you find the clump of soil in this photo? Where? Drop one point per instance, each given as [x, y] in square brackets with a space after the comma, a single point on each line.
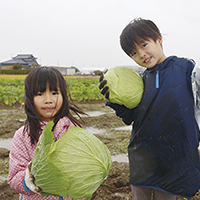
[116, 186]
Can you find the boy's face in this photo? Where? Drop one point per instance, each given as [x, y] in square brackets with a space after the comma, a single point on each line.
[148, 53]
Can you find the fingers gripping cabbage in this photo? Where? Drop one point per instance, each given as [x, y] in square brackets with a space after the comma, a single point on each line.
[125, 86]
[74, 166]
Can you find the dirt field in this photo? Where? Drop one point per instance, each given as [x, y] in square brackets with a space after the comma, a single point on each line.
[105, 123]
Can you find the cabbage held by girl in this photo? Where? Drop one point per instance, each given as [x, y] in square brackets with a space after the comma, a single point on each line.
[74, 166]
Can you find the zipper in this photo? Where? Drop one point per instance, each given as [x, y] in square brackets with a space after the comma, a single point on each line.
[157, 79]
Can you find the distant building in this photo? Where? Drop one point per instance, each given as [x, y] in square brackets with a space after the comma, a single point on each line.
[66, 70]
[26, 60]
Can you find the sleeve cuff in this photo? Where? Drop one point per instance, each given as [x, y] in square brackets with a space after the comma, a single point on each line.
[25, 187]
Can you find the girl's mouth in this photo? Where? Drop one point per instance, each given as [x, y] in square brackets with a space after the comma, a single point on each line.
[49, 108]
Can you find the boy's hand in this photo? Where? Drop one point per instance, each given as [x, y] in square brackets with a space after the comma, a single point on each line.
[103, 90]
[29, 180]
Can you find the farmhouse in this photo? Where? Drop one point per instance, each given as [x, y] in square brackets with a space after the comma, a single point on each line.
[26, 60]
[66, 70]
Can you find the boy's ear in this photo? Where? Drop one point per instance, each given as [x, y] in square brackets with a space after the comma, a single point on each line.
[160, 40]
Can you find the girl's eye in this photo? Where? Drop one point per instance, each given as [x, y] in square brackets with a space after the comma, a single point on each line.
[54, 93]
[39, 94]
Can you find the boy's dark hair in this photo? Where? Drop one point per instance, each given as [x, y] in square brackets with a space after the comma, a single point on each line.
[35, 82]
[136, 31]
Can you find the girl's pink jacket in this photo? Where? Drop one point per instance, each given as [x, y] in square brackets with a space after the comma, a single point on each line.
[21, 154]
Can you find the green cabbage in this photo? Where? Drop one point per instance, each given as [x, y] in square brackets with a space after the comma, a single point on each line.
[74, 166]
[125, 86]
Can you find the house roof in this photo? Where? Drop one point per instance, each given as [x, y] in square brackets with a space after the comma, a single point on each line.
[23, 59]
[24, 56]
[10, 62]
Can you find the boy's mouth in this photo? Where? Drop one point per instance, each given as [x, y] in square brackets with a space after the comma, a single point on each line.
[147, 60]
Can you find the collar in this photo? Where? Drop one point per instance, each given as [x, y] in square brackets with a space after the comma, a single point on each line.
[161, 65]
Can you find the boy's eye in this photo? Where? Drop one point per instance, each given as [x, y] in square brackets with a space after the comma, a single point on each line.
[134, 53]
[144, 45]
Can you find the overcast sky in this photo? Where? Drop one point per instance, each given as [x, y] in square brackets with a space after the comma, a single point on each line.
[85, 33]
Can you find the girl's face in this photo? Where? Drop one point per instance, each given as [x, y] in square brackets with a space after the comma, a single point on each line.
[148, 53]
[48, 103]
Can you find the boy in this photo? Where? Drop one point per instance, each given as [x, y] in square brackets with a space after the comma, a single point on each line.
[163, 149]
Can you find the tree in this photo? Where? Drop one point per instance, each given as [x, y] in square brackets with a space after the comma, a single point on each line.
[77, 70]
[17, 66]
[35, 66]
[98, 72]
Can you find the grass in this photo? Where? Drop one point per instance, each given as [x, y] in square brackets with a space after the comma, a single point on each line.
[12, 76]
[22, 77]
[4, 167]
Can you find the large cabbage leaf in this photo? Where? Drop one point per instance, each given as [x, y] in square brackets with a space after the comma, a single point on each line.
[125, 86]
[74, 166]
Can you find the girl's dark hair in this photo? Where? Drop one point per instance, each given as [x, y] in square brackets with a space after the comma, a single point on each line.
[136, 31]
[35, 82]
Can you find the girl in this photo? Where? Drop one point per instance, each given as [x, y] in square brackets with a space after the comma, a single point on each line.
[46, 99]
[163, 149]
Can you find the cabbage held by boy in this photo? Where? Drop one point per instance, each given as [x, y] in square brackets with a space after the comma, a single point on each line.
[125, 86]
[74, 166]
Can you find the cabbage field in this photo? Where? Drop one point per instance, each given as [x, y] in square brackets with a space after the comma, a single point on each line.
[105, 125]
[12, 91]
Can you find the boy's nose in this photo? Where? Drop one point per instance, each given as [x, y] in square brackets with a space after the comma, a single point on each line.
[141, 53]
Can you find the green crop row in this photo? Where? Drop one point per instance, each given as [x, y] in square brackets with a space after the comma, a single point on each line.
[84, 89]
[12, 91]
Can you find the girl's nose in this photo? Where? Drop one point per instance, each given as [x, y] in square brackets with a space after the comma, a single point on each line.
[48, 98]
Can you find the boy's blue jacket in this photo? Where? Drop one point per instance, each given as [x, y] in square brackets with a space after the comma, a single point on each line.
[163, 149]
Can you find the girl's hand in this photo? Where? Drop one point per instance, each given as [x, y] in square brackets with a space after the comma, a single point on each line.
[103, 90]
[29, 180]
